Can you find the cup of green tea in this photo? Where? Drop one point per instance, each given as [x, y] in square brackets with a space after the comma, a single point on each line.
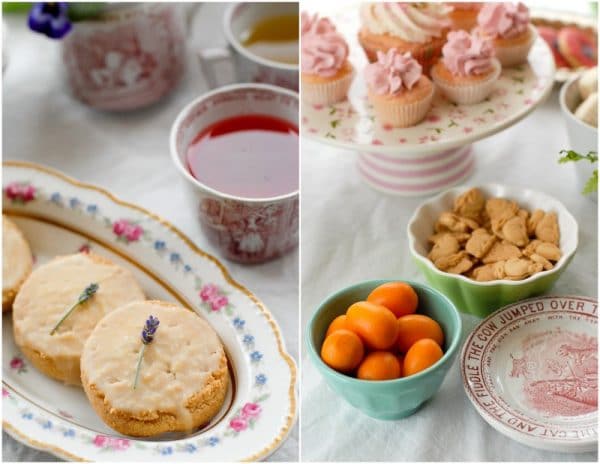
[262, 44]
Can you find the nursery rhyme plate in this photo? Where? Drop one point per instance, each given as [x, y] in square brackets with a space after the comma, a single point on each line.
[59, 215]
[531, 371]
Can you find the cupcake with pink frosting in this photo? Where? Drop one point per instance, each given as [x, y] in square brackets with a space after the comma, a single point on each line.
[508, 25]
[315, 24]
[468, 70]
[401, 95]
[326, 73]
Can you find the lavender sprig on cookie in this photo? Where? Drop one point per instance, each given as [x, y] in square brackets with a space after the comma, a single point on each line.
[147, 338]
[87, 293]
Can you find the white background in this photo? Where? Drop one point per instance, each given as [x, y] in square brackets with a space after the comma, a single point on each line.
[129, 155]
[351, 233]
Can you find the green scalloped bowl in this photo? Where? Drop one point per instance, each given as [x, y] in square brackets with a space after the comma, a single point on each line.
[483, 298]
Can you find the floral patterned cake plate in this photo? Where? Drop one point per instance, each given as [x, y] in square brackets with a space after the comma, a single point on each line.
[59, 215]
[531, 371]
[436, 153]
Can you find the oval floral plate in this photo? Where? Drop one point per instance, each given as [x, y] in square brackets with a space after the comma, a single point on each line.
[59, 215]
[352, 124]
[531, 371]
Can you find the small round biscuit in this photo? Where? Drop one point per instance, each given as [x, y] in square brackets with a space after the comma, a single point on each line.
[16, 261]
[49, 292]
[183, 376]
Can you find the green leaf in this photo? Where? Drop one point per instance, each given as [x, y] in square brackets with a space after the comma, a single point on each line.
[332, 111]
[261, 398]
[335, 123]
[85, 11]
[591, 185]
[571, 155]
[16, 7]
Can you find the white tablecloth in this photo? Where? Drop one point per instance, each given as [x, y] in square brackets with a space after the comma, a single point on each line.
[351, 233]
[128, 154]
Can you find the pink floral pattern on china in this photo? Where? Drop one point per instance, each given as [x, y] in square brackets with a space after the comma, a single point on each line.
[530, 370]
[352, 124]
[245, 417]
[127, 230]
[113, 443]
[250, 233]
[130, 60]
[20, 192]
[213, 297]
[17, 364]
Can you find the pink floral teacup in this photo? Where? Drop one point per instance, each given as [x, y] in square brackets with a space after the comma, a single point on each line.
[246, 230]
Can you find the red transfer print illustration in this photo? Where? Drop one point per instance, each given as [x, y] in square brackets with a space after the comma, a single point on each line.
[559, 369]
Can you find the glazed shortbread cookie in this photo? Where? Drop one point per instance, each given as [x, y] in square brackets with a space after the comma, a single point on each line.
[183, 374]
[16, 261]
[46, 295]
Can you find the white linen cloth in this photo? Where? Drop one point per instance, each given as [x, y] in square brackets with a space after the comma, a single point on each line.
[352, 233]
[128, 154]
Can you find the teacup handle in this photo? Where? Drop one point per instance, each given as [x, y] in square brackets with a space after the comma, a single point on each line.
[208, 59]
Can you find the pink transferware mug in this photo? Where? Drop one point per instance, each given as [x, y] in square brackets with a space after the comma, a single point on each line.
[130, 58]
[246, 230]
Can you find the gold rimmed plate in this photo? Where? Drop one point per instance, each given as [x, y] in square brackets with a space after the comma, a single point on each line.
[59, 215]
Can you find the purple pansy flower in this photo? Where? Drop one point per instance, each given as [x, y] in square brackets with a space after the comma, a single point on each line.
[50, 19]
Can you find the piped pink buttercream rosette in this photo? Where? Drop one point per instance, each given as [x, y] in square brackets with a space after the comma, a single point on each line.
[392, 72]
[323, 54]
[313, 24]
[506, 20]
[465, 54]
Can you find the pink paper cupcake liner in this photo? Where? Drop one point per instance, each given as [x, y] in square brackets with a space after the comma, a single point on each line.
[516, 54]
[326, 93]
[401, 114]
[468, 93]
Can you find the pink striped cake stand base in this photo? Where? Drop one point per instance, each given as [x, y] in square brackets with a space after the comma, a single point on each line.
[416, 176]
[436, 153]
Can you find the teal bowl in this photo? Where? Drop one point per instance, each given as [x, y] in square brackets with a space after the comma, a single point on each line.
[386, 399]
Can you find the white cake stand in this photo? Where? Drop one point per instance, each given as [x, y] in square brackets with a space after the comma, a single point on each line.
[436, 153]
